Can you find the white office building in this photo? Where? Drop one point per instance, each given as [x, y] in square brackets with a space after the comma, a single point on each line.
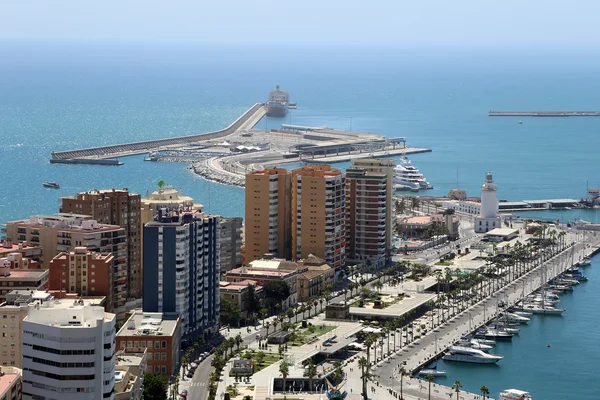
[68, 351]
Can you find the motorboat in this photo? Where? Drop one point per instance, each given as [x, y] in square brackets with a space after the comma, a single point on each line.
[408, 177]
[474, 344]
[514, 318]
[585, 262]
[432, 372]
[514, 394]
[466, 354]
[503, 328]
[493, 334]
[51, 185]
[521, 313]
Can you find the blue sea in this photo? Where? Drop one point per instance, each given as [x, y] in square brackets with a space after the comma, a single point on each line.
[63, 96]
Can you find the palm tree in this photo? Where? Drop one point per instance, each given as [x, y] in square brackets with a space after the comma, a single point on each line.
[231, 343]
[365, 375]
[369, 341]
[457, 385]
[238, 341]
[284, 369]
[310, 372]
[338, 372]
[429, 378]
[267, 325]
[402, 372]
[484, 391]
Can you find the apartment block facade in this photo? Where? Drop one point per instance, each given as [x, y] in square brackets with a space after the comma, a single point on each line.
[367, 216]
[115, 207]
[86, 273]
[268, 222]
[65, 232]
[181, 264]
[319, 214]
[231, 244]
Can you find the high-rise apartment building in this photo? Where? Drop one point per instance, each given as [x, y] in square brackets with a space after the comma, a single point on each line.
[115, 207]
[181, 268]
[88, 274]
[268, 214]
[68, 351]
[367, 216]
[318, 214]
[17, 279]
[231, 244]
[65, 232]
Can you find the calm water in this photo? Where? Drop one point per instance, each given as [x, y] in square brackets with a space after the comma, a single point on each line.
[64, 96]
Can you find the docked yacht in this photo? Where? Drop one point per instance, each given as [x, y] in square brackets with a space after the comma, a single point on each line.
[513, 318]
[514, 394]
[586, 262]
[408, 177]
[538, 309]
[465, 354]
[474, 344]
[500, 327]
[493, 334]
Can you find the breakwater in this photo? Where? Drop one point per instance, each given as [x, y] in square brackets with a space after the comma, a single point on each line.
[246, 121]
[544, 113]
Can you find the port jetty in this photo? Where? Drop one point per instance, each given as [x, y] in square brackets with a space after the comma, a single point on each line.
[493, 113]
[225, 156]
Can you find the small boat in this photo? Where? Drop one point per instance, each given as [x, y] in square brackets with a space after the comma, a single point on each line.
[493, 334]
[433, 372]
[520, 122]
[51, 185]
[514, 394]
[500, 327]
[586, 262]
[513, 317]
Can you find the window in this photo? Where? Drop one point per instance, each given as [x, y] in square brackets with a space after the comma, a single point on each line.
[163, 356]
[163, 369]
[150, 356]
[143, 343]
[129, 343]
[150, 344]
[157, 369]
[164, 344]
[123, 344]
[136, 344]
[157, 344]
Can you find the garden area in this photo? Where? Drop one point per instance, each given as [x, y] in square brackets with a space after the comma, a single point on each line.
[372, 299]
[261, 359]
[309, 334]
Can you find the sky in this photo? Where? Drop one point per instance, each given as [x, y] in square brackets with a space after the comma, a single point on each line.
[482, 23]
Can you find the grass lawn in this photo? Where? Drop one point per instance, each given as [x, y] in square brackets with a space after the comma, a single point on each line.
[444, 263]
[305, 335]
[270, 358]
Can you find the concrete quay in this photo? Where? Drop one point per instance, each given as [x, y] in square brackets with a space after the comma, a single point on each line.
[431, 346]
[493, 113]
[245, 122]
[364, 154]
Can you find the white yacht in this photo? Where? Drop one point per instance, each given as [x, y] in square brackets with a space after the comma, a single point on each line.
[474, 344]
[408, 177]
[538, 309]
[514, 394]
[465, 354]
[513, 318]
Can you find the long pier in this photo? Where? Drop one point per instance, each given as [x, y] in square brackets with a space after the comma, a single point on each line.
[106, 155]
[493, 113]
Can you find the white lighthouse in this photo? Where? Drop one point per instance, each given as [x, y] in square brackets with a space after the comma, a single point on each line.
[488, 218]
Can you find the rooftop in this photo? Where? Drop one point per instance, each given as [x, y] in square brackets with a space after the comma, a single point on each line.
[8, 377]
[67, 313]
[238, 286]
[260, 272]
[273, 263]
[418, 220]
[502, 232]
[25, 274]
[150, 324]
[66, 221]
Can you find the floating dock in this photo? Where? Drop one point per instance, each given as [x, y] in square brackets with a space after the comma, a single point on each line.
[106, 155]
[544, 113]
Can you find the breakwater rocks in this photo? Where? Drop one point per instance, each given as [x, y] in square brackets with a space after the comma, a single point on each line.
[207, 170]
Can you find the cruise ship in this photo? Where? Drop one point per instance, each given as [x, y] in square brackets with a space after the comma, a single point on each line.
[465, 354]
[277, 106]
[408, 177]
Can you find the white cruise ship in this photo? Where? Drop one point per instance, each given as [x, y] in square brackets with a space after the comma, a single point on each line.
[465, 354]
[408, 177]
[514, 394]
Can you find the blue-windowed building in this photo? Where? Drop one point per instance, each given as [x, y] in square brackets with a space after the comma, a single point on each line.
[181, 268]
